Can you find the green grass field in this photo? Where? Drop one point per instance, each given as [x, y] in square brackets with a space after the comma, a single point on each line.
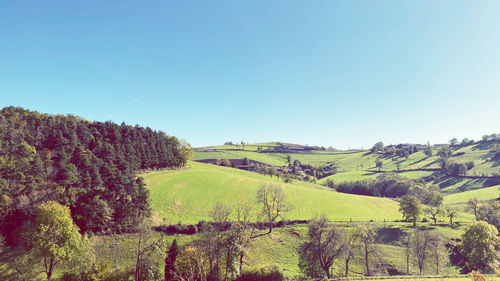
[358, 165]
[481, 194]
[430, 279]
[187, 195]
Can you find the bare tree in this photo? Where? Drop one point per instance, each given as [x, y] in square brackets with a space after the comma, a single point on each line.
[451, 213]
[434, 213]
[437, 250]
[420, 245]
[220, 215]
[408, 251]
[348, 246]
[473, 205]
[148, 243]
[272, 199]
[325, 243]
[245, 211]
[192, 263]
[367, 234]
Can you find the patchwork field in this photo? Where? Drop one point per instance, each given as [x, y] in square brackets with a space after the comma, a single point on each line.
[358, 165]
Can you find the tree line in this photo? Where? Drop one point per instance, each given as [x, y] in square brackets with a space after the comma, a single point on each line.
[221, 250]
[88, 166]
[390, 185]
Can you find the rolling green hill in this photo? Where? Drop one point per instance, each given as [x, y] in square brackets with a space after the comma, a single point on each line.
[357, 165]
[187, 195]
[481, 194]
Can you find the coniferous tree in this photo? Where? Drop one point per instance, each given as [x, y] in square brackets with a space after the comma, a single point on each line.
[170, 261]
[79, 163]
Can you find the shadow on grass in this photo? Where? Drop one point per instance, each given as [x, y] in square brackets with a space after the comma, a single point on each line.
[430, 164]
[446, 181]
[482, 146]
[418, 161]
[491, 182]
[496, 159]
[389, 235]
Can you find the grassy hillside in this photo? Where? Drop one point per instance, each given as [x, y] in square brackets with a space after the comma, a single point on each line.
[282, 248]
[358, 165]
[187, 195]
[481, 194]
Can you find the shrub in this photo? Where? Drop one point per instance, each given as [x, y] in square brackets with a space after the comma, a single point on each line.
[97, 272]
[266, 273]
[477, 276]
[470, 165]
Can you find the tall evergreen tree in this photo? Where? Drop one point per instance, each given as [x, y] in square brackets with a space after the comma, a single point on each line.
[170, 261]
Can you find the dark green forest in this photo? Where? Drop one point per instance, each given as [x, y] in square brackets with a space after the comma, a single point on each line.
[91, 167]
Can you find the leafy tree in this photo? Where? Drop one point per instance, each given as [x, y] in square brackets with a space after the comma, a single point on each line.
[459, 169]
[428, 150]
[434, 213]
[478, 246]
[444, 163]
[309, 263]
[453, 142]
[90, 167]
[377, 147]
[379, 164]
[245, 161]
[490, 212]
[406, 154]
[272, 199]
[445, 152]
[55, 237]
[410, 207]
[451, 213]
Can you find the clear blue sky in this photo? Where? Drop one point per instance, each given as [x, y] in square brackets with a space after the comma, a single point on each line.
[340, 73]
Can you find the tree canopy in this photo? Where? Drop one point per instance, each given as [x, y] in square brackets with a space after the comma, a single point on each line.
[479, 244]
[410, 207]
[55, 237]
[88, 166]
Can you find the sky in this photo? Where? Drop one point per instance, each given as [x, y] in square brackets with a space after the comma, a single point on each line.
[335, 73]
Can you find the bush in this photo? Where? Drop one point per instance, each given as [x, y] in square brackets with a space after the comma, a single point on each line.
[470, 165]
[97, 272]
[267, 273]
[477, 276]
